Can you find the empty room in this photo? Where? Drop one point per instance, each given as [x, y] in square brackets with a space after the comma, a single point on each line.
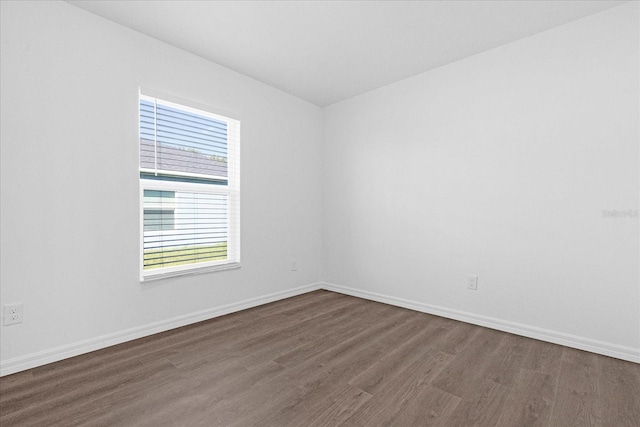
[319, 213]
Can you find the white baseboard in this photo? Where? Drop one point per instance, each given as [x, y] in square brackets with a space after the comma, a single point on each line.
[608, 349]
[33, 360]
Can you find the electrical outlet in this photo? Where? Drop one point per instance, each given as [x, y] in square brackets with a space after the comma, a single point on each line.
[472, 282]
[13, 313]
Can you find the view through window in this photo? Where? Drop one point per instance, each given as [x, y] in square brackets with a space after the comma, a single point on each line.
[189, 183]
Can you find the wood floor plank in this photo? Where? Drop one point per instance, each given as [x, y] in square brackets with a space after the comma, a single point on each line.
[345, 332]
[505, 364]
[377, 376]
[293, 304]
[619, 392]
[336, 408]
[430, 407]
[66, 401]
[271, 345]
[386, 405]
[469, 365]
[530, 400]
[577, 395]
[481, 405]
[348, 358]
[459, 336]
[315, 377]
[543, 357]
[223, 399]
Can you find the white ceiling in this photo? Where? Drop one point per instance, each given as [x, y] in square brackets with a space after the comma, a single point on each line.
[327, 51]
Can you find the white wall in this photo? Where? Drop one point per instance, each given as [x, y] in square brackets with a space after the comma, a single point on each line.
[69, 182]
[499, 165]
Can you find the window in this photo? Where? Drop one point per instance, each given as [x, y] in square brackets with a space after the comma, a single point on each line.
[189, 189]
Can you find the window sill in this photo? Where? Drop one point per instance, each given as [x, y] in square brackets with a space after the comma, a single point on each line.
[192, 271]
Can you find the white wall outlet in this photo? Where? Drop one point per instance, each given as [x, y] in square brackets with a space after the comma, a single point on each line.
[472, 282]
[294, 265]
[13, 313]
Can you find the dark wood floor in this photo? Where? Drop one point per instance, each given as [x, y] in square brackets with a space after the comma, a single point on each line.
[325, 359]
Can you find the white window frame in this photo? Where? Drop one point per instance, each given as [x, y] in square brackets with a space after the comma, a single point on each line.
[231, 190]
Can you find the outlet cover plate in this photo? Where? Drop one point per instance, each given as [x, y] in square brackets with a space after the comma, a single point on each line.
[472, 282]
[13, 314]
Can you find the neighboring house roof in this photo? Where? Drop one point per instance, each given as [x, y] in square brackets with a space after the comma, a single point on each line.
[179, 160]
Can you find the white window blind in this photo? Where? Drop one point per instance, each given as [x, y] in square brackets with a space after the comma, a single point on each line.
[189, 189]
